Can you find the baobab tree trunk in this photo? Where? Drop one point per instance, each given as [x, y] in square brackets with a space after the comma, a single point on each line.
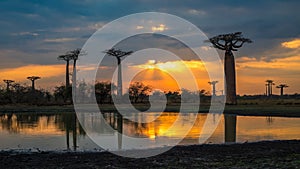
[7, 87]
[229, 69]
[67, 75]
[32, 85]
[119, 87]
[74, 80]
[281, 91]
[214, 89]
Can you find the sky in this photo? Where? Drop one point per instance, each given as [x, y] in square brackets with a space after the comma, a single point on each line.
[33, 33]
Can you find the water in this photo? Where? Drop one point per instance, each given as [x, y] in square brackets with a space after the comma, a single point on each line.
[62, 131]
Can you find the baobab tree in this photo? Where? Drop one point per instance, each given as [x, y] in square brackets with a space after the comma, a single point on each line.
[67, 58]
[74, 55]
[229, 42]
[117, 53]
[281, 87]
[8, 83]
[213, 83]
[269, 85]
[33, 79]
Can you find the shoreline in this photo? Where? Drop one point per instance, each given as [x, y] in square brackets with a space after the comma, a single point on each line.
[263, 154]
[242, 110]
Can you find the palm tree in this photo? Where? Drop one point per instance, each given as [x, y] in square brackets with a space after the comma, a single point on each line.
[117, 53]
[33, 79]
[213, 83]
[281, 87]
[229, 42]
[8, 82]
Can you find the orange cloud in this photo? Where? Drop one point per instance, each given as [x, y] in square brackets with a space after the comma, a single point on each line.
[293, 44]
[251, 74]
[289, 63]
[20, 73]
[175, 66]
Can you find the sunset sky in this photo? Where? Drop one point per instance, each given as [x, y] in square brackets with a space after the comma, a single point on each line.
[33, 33]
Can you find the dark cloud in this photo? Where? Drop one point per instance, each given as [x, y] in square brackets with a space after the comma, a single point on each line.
[25, 25]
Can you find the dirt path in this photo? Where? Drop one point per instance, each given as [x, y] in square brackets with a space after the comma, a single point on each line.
[275, 154]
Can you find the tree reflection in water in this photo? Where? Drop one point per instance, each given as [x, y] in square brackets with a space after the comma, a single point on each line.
[43, 123]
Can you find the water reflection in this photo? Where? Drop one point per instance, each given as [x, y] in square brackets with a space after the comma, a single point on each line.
[43, 124]
[63, 131]
[230, 128]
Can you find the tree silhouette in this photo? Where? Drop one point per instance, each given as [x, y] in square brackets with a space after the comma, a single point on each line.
[118, 54]
[74, 54]
[269, 87]
[281, 87]
[138, 90]
[229, 42]
[104, 91]
[33, 79]
[213, 83]
[66, 58]
[8, 83]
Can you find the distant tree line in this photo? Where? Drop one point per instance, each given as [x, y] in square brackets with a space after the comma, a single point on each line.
[105, 92]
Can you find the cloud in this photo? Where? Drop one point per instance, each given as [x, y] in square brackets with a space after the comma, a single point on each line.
[25, 33]
[289, 63]
[59, 40]
[159, 28]
[176, 66]
[293, 44]
[96, 26]
[196, 12]
[139, 27]
[69, 21]
[22, 72]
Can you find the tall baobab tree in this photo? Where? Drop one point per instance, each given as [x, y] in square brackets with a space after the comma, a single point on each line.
[33, 79]
[118, 54]
[74, 54]
[281, 87]
[229, 42]
[8, 83]
[66, 58]
[270, 84]
[213, 83]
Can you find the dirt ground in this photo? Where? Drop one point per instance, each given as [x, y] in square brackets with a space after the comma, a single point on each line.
[267, 154]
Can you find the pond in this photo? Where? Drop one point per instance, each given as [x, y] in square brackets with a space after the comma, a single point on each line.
[62, 131]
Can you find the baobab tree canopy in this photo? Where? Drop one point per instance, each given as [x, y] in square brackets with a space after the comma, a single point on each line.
[230, 41]
[33, 78]
[73, 54]
[117, 52]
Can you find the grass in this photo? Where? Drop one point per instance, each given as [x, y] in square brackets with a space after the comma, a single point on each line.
[257, 107]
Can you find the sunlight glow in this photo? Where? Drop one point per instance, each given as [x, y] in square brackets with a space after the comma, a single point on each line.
[20, 73]
[176, 66]
[293, 44]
